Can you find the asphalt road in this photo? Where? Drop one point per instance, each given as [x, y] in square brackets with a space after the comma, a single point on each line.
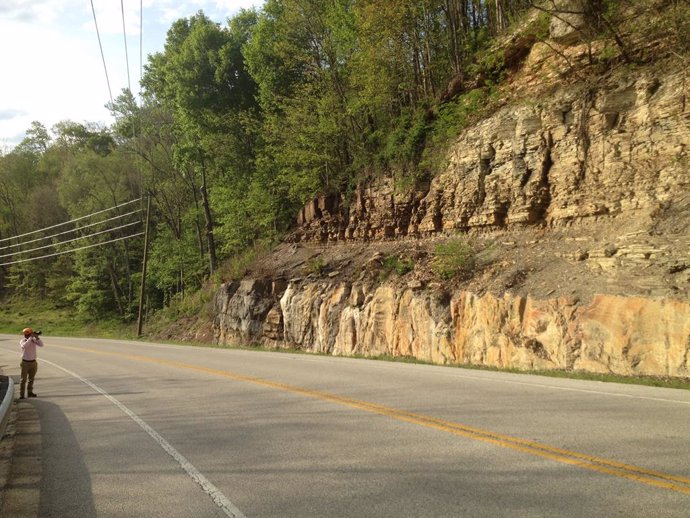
[132, 429]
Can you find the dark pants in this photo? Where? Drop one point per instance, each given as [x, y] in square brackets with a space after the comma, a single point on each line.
[28, 369]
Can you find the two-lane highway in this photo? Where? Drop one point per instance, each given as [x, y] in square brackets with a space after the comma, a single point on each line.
[134, 429]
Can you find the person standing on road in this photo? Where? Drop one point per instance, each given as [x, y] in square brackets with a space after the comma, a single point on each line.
[29, 364]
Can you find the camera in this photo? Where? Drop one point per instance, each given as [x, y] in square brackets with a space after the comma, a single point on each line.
[38, 333]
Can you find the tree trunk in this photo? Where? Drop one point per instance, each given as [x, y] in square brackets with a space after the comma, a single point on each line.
[117, 296]
[501, 22]
[208, 220]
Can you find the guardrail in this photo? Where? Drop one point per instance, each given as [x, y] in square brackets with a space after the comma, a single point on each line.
[6, 406]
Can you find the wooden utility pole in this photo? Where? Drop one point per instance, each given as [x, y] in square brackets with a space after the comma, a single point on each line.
[140, 322]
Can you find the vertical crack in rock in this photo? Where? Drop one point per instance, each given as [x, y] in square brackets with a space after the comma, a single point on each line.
[481, 190]
[486, 157]
[522, 169]
[438, 216]
[583, 140]
[544, 190]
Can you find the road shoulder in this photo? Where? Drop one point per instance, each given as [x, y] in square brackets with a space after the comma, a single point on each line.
[20, 462]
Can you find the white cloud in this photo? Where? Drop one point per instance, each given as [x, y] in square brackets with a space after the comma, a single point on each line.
[10, 114]
[53, 76]
[36, 11]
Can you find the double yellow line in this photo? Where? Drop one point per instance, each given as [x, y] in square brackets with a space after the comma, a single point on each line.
[590, 462]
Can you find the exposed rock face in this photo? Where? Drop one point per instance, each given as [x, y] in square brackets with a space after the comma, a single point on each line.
[618, 150]
[612, 157]
[610, 334]
[567, 20]
[241, 309]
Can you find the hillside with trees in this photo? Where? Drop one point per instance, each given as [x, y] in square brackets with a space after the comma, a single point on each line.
[242, 122]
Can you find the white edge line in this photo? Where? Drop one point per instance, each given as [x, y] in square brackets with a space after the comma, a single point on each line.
[216, 495]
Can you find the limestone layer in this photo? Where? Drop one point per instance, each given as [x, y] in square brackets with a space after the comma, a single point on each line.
[620, 149]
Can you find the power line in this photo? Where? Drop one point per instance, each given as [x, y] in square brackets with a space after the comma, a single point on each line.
[141, 42]
[71, 240]
[73, 250]
[69, 231]
[102, 55]
[124, 34]
[71, 221]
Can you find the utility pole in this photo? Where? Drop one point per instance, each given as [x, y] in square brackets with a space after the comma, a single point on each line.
[140, 322]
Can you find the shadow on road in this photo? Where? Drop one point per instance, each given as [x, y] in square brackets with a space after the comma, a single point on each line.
[48, 475]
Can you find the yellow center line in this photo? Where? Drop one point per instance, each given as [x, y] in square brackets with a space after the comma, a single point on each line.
[582, 460]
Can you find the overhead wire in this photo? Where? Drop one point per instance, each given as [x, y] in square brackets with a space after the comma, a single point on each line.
[141, 43]
[100, 45]
[70, 221]
[63, 242]
[124, 34]
[52, 245]
[70, 231]
[73, 250]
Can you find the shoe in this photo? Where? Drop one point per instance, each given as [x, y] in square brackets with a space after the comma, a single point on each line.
[31, 394]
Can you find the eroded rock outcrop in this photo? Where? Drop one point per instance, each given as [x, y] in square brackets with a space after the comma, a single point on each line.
[609, 157]
[620, 149]
[619, 335]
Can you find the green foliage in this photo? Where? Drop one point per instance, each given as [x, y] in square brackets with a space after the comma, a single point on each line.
[452, 118]
[237, 217]
[392, 264]
[36, 141]
[673, 22]
[316, 266]
[21, 312]
[192, 305]
[489, 68]
[455, 258]
[608, 53]
[404, 145]
[175, 263]
[235, 267]
[539, 29]
[88, 291]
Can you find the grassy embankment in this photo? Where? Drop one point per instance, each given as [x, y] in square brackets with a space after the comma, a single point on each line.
[57, 322]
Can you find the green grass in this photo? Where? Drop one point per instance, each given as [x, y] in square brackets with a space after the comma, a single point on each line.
[16, 316]
[455, 257]
[394, 264]
[316, 266]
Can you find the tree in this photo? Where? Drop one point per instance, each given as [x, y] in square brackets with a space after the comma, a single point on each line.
[99, 176]
[202, 80]
[299, 56]
[36, 140]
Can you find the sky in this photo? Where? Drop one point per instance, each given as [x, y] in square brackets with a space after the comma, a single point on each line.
[52, 68]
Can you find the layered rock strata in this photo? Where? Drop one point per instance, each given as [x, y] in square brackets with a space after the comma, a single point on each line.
[610, 334]
[620, 149]
[615, 153]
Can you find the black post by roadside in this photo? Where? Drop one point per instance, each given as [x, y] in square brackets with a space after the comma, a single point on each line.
[140, 322]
